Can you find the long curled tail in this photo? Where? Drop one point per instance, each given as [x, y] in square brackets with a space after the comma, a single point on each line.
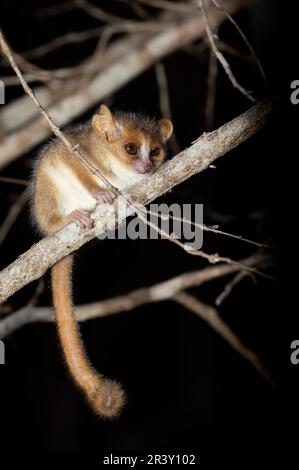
[105, 396]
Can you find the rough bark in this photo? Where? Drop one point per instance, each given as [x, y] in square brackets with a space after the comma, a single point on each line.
[34, 263]
[116, 75]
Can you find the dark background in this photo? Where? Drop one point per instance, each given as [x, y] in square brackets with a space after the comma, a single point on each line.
[187, 388]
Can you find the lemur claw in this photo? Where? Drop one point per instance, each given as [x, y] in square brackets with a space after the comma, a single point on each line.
[103, 196]
[80, 218]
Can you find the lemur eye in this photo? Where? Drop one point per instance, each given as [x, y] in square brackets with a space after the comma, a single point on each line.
[131, 148]
[154, 152]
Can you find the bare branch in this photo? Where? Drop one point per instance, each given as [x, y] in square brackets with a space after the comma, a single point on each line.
[96, 12]
[216, 230]
[222, 60]
[7, 179]
[233, 22]
[18, 113]
[33, 264]
[138, 9]
[216, 258]
[97, 61]
[13, 214]
[168, 5]
[55, 9]
[212, 258]
[137, 59]
[211, 91]
[73, 37]
[155, 293]
[208, 228]
[165, 106]
[230, 286]
[163, 90]
[73, 149]
[211, 316]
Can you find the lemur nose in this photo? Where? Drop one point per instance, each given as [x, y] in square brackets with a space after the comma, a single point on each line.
[143, 167]
[147, 167]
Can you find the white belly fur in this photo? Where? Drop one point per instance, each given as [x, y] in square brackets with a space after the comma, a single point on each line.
[71, 193]
[123, 175]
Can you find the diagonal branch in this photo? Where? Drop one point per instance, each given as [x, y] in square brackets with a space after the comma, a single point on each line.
[132, 63]
[123, 303]
[211, 316]
[13, 214]
[86, 162]
[222, 60]
[35, 262]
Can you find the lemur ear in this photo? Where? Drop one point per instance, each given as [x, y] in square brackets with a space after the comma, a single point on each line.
[166, 128]
[103, 122]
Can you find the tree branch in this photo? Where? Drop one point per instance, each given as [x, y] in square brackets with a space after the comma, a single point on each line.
[137, 59]
[13, 214]
[211, 316]
[220, 57]
[123, 303]
[34, 263]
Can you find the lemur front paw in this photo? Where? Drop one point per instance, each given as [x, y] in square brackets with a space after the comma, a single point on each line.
[103, 196]
[80, 218]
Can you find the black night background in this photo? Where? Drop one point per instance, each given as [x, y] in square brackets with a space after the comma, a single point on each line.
[187, 388]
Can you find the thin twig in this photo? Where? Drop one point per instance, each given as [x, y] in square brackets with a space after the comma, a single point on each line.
[209, 228]
[94, 62]
[165, 101]
[198, 49]
[233, 51]
[141, 212]
[132, 56]
[211, 316]
[7, 179]
[13, 214]
[62, 41]
[248, 44]
[156, 293]
[31, 69]
[55, 9]
[215, 258]
[97, 12]
[230, 286]
[139, 10]
[215, 230]
[211, 91]
[73, 149]
[222, 60]
[37, 293]
[205, 150]
[168, 5]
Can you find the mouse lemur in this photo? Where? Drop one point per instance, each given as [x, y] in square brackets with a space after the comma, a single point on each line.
[125, 148]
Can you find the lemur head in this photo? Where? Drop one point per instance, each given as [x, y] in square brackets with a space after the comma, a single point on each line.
[136, 140]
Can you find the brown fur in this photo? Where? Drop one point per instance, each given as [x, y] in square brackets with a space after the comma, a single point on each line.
[58, 201]
[105, 396]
